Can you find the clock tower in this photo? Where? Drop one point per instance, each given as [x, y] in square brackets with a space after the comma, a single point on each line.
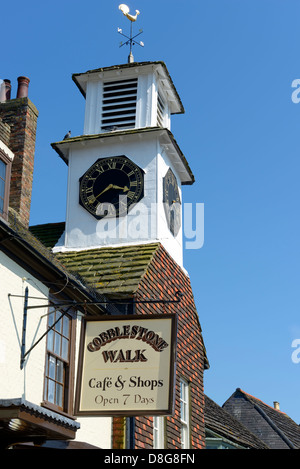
[123, 230]
[126, 170]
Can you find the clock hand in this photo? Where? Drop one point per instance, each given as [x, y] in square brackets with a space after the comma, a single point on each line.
[110, 186]
[113, 186]
[125, 189]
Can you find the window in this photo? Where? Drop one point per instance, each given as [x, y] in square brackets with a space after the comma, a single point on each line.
[5, 169]
[158, 432]
[119, 104]
[58, 361]
[184, 414]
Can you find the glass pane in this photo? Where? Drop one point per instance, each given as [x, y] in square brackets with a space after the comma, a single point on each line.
[65, 349]
[59, 395]
[57, 340]
[183, 416]
[66, 323]
[1, 205]
[2, 169]
[50, 336]
[183, 401]
[51, 318]
[182, 390]
[51, 388]
[58, 325]
[51, 370]
[59, 371]
[183, 437]
[2, 187]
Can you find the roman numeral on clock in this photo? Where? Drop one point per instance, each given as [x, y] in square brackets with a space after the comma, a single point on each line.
[130, 194]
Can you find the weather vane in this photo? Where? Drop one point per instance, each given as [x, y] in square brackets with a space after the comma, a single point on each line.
[130, 40]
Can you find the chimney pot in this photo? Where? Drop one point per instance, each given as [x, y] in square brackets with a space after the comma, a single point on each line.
[23, 83]
[5, 90]
[276, 405]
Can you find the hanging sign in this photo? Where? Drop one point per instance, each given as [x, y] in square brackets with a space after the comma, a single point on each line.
[126, 366]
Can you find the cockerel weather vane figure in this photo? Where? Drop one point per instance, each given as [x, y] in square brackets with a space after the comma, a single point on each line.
[130, 40]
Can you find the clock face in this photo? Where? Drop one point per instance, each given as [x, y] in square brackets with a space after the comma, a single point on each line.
[172, 203]
[111, 186]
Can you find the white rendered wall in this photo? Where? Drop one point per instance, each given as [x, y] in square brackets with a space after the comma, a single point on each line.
[16, 383]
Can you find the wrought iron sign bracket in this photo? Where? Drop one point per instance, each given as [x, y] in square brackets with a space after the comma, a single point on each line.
[70, 305]
[25, 311]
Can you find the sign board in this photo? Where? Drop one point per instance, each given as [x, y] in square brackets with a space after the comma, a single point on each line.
[126, 365]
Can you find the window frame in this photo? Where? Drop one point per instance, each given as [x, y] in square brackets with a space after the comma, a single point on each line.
[159, 429]
[68, 365]
[8, 164]
[185, 416]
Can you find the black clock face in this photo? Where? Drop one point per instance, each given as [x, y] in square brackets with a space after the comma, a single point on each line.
[110, 186]
[171, 200]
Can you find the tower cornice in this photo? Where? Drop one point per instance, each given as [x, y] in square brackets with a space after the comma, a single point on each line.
[164, 136]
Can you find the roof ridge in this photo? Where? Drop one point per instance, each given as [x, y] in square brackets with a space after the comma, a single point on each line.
[259, 400]
[48, 224]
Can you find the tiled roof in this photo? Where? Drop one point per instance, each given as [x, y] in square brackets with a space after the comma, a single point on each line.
[223, 424]
[49, 233]
[112, 271]
[109, 270]
[28, 235]
[285, 426]
[39, 411]
[121, 272]
[34, 253]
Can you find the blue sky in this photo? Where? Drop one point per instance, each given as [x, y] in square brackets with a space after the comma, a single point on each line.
[233, 63]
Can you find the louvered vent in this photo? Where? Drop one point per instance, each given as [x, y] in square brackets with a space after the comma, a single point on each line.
[160, 111]
[119, 104]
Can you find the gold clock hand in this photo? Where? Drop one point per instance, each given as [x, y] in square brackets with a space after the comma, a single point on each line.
[124, 189]
[113, 186]
[110, 186]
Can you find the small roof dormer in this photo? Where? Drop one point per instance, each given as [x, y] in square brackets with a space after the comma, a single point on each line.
[129, 96]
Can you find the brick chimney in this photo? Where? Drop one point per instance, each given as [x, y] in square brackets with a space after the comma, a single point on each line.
[276, 405]
[21, 116]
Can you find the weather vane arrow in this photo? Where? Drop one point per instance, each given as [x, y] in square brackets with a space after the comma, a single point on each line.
[130, 40]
